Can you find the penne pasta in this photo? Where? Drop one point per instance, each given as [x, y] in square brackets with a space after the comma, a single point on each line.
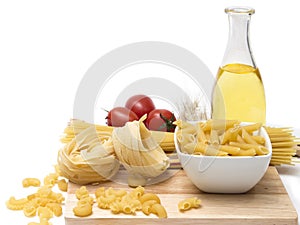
[252, 127]
[247, 137]
[259, 139]
[230, 135]
[201, 137]
[260, 150]
[219, 124]
[204, 149]
[239, 139]
[248, 152]
[214, 138]
[185, 138]
[230, 149]
[211, 140]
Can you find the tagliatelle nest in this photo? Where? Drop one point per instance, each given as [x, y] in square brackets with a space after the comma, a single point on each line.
[139, 152]
[88, 158]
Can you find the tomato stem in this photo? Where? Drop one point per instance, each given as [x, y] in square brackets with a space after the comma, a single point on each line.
[168, 123]
[105, 110]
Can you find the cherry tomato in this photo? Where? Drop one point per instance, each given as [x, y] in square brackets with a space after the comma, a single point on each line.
[117, 117]
[140, 105]
[161, 120]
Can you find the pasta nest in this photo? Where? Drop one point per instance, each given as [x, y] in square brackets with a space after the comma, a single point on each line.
[139, 152]
[88, 158]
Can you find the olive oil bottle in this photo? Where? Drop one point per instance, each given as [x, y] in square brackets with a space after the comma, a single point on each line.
[239, 91]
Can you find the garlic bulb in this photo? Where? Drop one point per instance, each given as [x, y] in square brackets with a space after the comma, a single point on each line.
[138, 151]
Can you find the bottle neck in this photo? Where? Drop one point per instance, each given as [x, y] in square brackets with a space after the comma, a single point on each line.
[238, 46]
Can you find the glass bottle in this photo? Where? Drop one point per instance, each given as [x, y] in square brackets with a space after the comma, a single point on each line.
[239, 91]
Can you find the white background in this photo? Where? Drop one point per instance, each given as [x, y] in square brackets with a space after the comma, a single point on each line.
[47, 46]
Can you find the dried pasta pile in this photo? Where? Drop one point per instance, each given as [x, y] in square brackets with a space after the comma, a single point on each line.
[127, 202]
[221, 138]
[283, 145]
[44, 203]
[118, 201]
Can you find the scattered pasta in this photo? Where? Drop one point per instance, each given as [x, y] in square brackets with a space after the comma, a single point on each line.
[220, 138]
[44, 212]
[81, 192]
[138, 192]
[119, 201]
[34, 182]
[62, 185]
[16, 204]
[51, 179]
[149, 196]
[45, 203]
[85, 202]
[30, 209]
[159, 210]
[146, 207]
[100, 192]
[43, 221]
[189, 203]
[55, 208]
[83, 210]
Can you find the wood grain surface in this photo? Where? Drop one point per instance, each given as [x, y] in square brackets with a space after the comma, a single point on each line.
[267, 203]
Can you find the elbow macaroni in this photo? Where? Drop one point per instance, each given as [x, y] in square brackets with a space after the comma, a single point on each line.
[85, 202]
[44, 212]
[82, 191]
[189, 203]
[119, 201]
[137, 192]
[34, 182]
[44, 202]
[50, 179]
[29, 210]
[159, 210]
[83, 210]
[100, 192]
[43, 221]
[146, 207]
[16, 204]
[55, 208]
[149, 196]
[62, 185]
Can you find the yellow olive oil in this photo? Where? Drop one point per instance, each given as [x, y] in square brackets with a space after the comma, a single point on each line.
[239, 94]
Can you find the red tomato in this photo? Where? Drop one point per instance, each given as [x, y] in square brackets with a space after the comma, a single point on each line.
[140, 105]
[117, 117]
[161, 120]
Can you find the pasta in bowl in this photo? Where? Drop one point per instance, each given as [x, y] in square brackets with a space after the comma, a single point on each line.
[223, 156]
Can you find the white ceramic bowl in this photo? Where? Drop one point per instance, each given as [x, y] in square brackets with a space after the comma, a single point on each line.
[219, 174]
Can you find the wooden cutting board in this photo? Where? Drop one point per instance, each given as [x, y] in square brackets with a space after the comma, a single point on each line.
[267, 203]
